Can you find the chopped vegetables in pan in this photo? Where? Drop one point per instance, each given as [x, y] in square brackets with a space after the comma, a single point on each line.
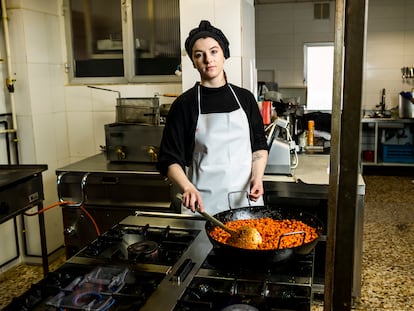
[294, 232]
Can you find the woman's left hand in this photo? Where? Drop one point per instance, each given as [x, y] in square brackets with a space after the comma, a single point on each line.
[256, 190]
[259, 160]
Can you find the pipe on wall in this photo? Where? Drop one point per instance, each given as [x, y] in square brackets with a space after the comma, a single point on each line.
[9, 80]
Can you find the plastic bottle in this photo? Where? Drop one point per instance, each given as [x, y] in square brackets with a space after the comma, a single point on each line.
[311, 128]
[266, 111]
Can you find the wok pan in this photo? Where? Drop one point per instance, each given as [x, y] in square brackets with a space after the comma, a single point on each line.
[256, 212]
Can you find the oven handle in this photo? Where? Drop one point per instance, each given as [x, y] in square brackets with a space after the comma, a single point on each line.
[59, 182]
[83, 188]
[183, 271]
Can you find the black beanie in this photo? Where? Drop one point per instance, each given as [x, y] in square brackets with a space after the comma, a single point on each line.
[205, 29]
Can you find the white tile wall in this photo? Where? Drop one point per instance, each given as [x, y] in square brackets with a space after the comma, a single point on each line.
[17, 47]
[389, 25]
[229, 17]
[61, 143]
[47, 6]
[81, 139]
[78, 98]
[55, 87]
[281, 31]
[26, 145]
[36, 25]
[8, 246]
[44, 138]
[39, 88]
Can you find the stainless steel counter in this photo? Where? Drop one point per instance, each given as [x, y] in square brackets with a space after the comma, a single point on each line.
[312, 172]
[312, 169]
[98, 163]
[21, 188]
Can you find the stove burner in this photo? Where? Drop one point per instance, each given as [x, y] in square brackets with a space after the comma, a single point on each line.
[140, 244]
[86, 298]
[132, 238]
[240, 307]
[143, 249]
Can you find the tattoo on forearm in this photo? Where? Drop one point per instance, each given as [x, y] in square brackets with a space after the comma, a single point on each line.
[256, 156]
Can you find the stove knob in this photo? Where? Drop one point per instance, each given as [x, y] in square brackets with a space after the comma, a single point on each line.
[152, 152]
[4, 208]
[120, 152]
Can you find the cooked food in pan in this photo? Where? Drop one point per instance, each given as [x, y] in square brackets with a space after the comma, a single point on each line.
[276, 234]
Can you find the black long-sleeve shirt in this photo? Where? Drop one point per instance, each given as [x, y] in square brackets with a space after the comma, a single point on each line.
[177, 143]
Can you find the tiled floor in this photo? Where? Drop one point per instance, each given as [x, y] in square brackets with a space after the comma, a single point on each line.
[388, 250]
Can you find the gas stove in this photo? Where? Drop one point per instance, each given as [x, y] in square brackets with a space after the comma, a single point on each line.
[162, 261]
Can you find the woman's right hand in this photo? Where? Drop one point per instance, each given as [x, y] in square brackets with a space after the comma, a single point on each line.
[191, 197]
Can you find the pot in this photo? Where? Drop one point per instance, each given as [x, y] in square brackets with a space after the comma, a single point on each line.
[257, 212]
[406, 105]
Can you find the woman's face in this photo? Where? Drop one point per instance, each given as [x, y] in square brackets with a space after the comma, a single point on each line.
[208, 59]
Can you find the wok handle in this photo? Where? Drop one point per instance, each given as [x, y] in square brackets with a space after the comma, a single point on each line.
[234, 192]
[291, 233]
[209, 217]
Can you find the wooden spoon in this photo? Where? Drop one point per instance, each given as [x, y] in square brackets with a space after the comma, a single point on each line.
[243, 237]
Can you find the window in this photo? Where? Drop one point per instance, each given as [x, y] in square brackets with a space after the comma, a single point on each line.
[123, 40]
[319, 59]
[321, 10]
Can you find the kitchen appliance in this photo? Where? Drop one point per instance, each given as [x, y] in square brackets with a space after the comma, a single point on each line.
[21, 188]
[159, 261]
[289, 108]
[132, 142]
[109, 191]
[145, 110]
[406, 105]
[281, 149]
[136, 134]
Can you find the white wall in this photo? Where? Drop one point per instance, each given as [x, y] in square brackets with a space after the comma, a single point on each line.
[389, 46]
[236, 19]
[282, 29]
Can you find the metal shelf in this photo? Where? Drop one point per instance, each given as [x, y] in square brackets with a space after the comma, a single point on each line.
[373, 129]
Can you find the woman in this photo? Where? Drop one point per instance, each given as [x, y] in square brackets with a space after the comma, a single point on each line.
[215, 130]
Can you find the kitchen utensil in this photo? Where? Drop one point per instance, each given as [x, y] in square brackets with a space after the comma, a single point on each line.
[256, 212]
[406, 105]
[244, 237]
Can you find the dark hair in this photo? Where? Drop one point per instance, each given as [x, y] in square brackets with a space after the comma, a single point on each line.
[204, 30]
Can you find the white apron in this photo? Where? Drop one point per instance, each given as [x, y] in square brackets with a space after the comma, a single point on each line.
[222, 159]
